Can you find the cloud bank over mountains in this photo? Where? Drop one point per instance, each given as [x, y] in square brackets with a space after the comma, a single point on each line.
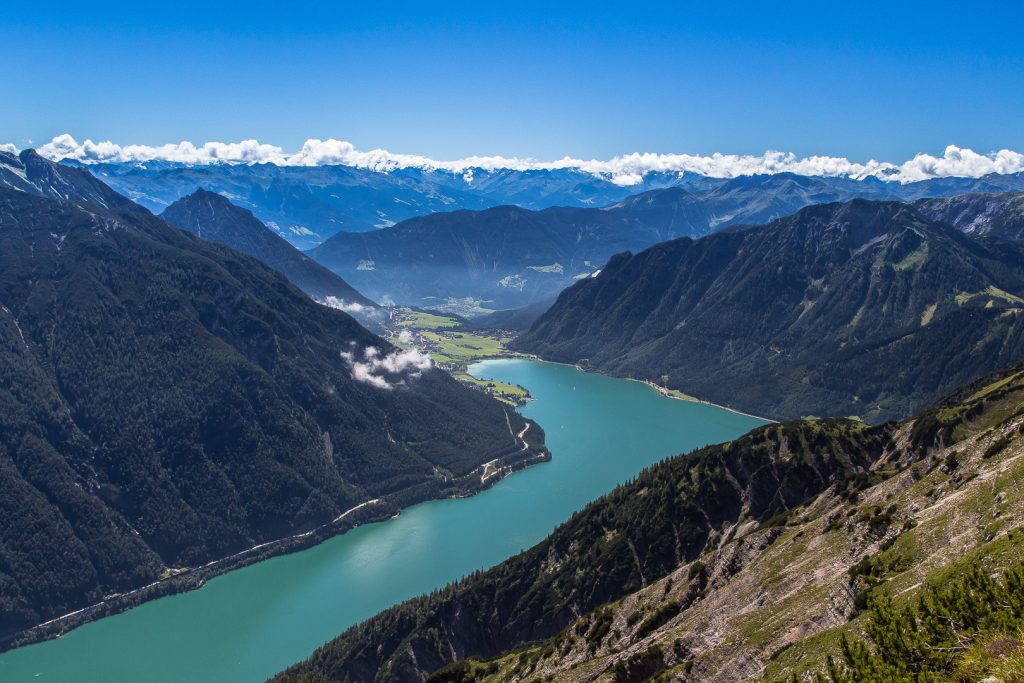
[626, 170]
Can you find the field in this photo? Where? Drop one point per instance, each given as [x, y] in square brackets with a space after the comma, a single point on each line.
[453, 349]
[422, 320]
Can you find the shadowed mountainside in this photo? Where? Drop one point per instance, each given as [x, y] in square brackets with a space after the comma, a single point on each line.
[861, 308]
[746, 560]
[213, 217]
[168, 401]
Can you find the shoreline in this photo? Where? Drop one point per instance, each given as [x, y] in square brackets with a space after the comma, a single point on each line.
[667, 394]
[188, 579]
[663, 391]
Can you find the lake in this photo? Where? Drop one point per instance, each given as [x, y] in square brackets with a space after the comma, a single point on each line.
[251, 623]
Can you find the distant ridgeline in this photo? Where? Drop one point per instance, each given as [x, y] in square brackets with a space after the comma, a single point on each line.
[527, 234]
[168, 401]
[509, 256]
[895, 550]
[307, 205]
[863, 308]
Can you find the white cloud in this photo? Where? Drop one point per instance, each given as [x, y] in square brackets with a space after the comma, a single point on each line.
[245, 152]
[8, 147]
[405, 336]
[957, 161]
[347, 306]
[626, 170]
[386, 371]
[350, 307]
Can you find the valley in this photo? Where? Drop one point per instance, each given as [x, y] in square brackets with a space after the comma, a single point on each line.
[512, 342]
[375, 425]
[454, 348]
[173, 409]
[601, 431]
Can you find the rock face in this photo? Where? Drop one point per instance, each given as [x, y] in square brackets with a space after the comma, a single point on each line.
[735, 562]
[999, 214]
[861, 308]
[211, 216]
[167, 401]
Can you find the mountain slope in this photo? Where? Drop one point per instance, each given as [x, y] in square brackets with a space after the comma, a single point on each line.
[168, 401]
[509, 256]
[517, 319]
[862, 308]
[31, 173]
[710, 565]
[996, 214]
[212, 217]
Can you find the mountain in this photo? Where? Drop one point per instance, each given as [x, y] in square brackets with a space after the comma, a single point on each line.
[952, 186]
[167, 402]
[507, 257]
[212, 217]
[749, 560]
[516, 319]
[997, 214]
[31, 173]
[306, 205]
[747, 200]
[861, 308]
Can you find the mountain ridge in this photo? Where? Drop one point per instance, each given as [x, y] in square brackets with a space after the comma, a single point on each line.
[510, 256]
[306, 205]
[738, 561]
[212, 216]
[801, 316]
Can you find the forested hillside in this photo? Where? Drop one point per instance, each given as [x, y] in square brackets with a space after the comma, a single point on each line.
[749, 560]
[213, 217]
[866, 309]
[167, 401]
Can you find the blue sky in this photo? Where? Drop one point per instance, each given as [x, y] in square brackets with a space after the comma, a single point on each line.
[862, 80]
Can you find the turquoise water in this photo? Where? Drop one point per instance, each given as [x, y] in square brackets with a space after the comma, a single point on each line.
[250, 623]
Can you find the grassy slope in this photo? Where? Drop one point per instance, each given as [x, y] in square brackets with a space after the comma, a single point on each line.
[775, 601]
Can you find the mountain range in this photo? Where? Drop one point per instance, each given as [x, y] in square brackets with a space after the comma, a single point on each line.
[509, 256]
[168, 402]
[815, 547]
[859, 308]
[306, 205]
[176, 404]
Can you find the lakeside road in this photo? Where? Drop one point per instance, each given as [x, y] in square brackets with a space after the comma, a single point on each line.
[184, 572]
